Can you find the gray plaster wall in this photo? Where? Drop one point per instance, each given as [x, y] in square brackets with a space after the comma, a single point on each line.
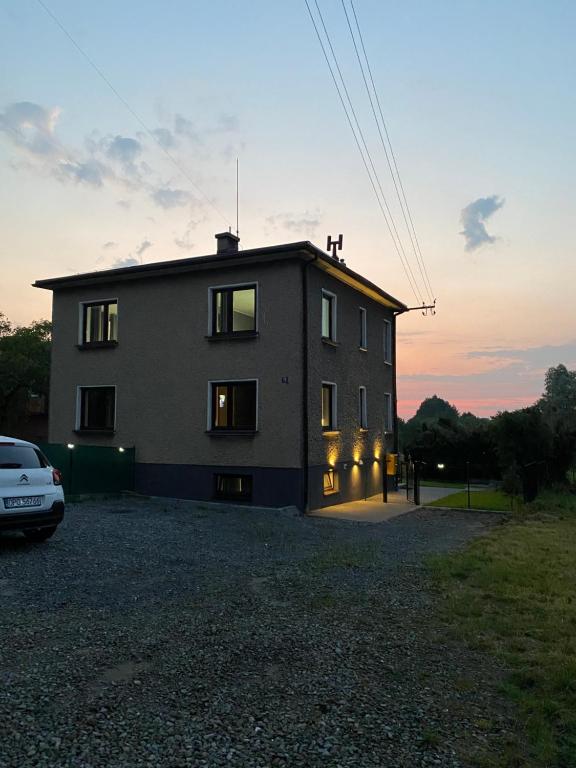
[348, 367]
[163, 363]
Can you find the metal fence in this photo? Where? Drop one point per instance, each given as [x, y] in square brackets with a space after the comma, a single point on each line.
[92, 468]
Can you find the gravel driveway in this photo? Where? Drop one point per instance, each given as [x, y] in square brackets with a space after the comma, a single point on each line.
[160, 633]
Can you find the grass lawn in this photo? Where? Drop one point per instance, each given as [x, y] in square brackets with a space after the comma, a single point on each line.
[492, 499]
[512, 594]
[440, 484]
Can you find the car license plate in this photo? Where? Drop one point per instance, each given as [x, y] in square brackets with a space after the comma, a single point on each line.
[23, 501]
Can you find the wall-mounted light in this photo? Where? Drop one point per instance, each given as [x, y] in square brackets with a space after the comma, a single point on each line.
[360, 462]
[440, 466]
[70, 446]
[121, 450]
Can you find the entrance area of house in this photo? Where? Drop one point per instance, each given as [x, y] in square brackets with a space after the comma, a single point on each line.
[374, 510]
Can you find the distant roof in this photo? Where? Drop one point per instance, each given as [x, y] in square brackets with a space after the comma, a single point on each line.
[304, 250]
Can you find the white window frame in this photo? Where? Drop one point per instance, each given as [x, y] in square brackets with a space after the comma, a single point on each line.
[82, 304]
[334, 414]
[334, 319]
[363, 407]
[388, 416]
[363, 329]
[236, 286]
[231, 381]
[387, 342]
[79, 389]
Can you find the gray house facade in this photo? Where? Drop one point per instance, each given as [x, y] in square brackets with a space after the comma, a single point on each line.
[265, 375]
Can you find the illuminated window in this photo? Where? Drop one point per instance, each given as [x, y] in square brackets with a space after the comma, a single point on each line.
[97, 408]
[328, 316]
[362, 408]
[387, 341]
[331, 482]
[233, 405]
[234, 310]
[100, 322]
[328, 406]
[363, 334]
[233, 487]
[388, 422]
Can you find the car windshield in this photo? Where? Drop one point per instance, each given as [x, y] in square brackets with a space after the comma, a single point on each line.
[20, 457]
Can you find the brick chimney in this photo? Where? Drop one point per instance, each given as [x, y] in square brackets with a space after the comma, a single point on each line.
[227, 243]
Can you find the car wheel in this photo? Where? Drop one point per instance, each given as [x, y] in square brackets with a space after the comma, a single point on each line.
[40, 534]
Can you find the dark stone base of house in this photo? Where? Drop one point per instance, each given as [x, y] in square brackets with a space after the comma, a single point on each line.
[270, 486]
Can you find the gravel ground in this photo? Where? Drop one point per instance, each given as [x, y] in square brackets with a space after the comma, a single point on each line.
[161, 633]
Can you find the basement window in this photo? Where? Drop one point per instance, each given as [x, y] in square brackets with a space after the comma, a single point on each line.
[233, 487]
[331, 482]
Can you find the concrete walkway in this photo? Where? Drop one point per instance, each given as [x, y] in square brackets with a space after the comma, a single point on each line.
[374, 510]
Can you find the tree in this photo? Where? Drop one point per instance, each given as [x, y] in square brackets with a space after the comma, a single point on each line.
[558, 408]
[436, 408]
[24, 368]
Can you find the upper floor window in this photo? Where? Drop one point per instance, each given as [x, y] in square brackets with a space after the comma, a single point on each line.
[96, 408]
[329, 422]
[233, 310]
[328, 316]
[100, 322]
[363, 342]
[233, 405]
[362, 408]
[387, 341]
[388, 419]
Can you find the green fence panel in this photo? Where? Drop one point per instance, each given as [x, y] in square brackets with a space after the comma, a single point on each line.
[92, 468]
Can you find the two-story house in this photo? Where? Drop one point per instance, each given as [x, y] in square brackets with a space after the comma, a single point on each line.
[266, 375]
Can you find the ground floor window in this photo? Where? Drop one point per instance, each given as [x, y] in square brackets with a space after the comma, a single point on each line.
[233, 487]
[97, 408]
[331, 482]
[233, 405]
[328, 406]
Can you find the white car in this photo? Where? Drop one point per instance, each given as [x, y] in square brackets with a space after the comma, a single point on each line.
[31, 493]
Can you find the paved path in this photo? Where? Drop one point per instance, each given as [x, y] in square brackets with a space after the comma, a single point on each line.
[374, 510]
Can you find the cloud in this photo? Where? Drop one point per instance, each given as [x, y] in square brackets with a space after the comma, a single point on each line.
[110, 245]
[128, 261]
[170, 198]
[91, 172]
[126, 204]
[31, 127]
[165, 138]
[124, 150]
[305, 223]
[473, 217]
[144, 245]
[541, 357]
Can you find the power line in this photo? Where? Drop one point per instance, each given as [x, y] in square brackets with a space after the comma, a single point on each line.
[399, 250]
[134, 114]
[405, 208]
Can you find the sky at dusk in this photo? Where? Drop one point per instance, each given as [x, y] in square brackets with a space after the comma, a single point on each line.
[479, 103]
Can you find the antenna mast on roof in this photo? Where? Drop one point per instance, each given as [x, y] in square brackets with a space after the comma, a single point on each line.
[237, 197]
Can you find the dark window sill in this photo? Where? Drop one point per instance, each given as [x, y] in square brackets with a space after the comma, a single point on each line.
[232, 432]
[233, 336]
[330, 342]
[94, 431]
[363, 349]
[331, 493]
[387, 362]
[330, 432]
[98, 345]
